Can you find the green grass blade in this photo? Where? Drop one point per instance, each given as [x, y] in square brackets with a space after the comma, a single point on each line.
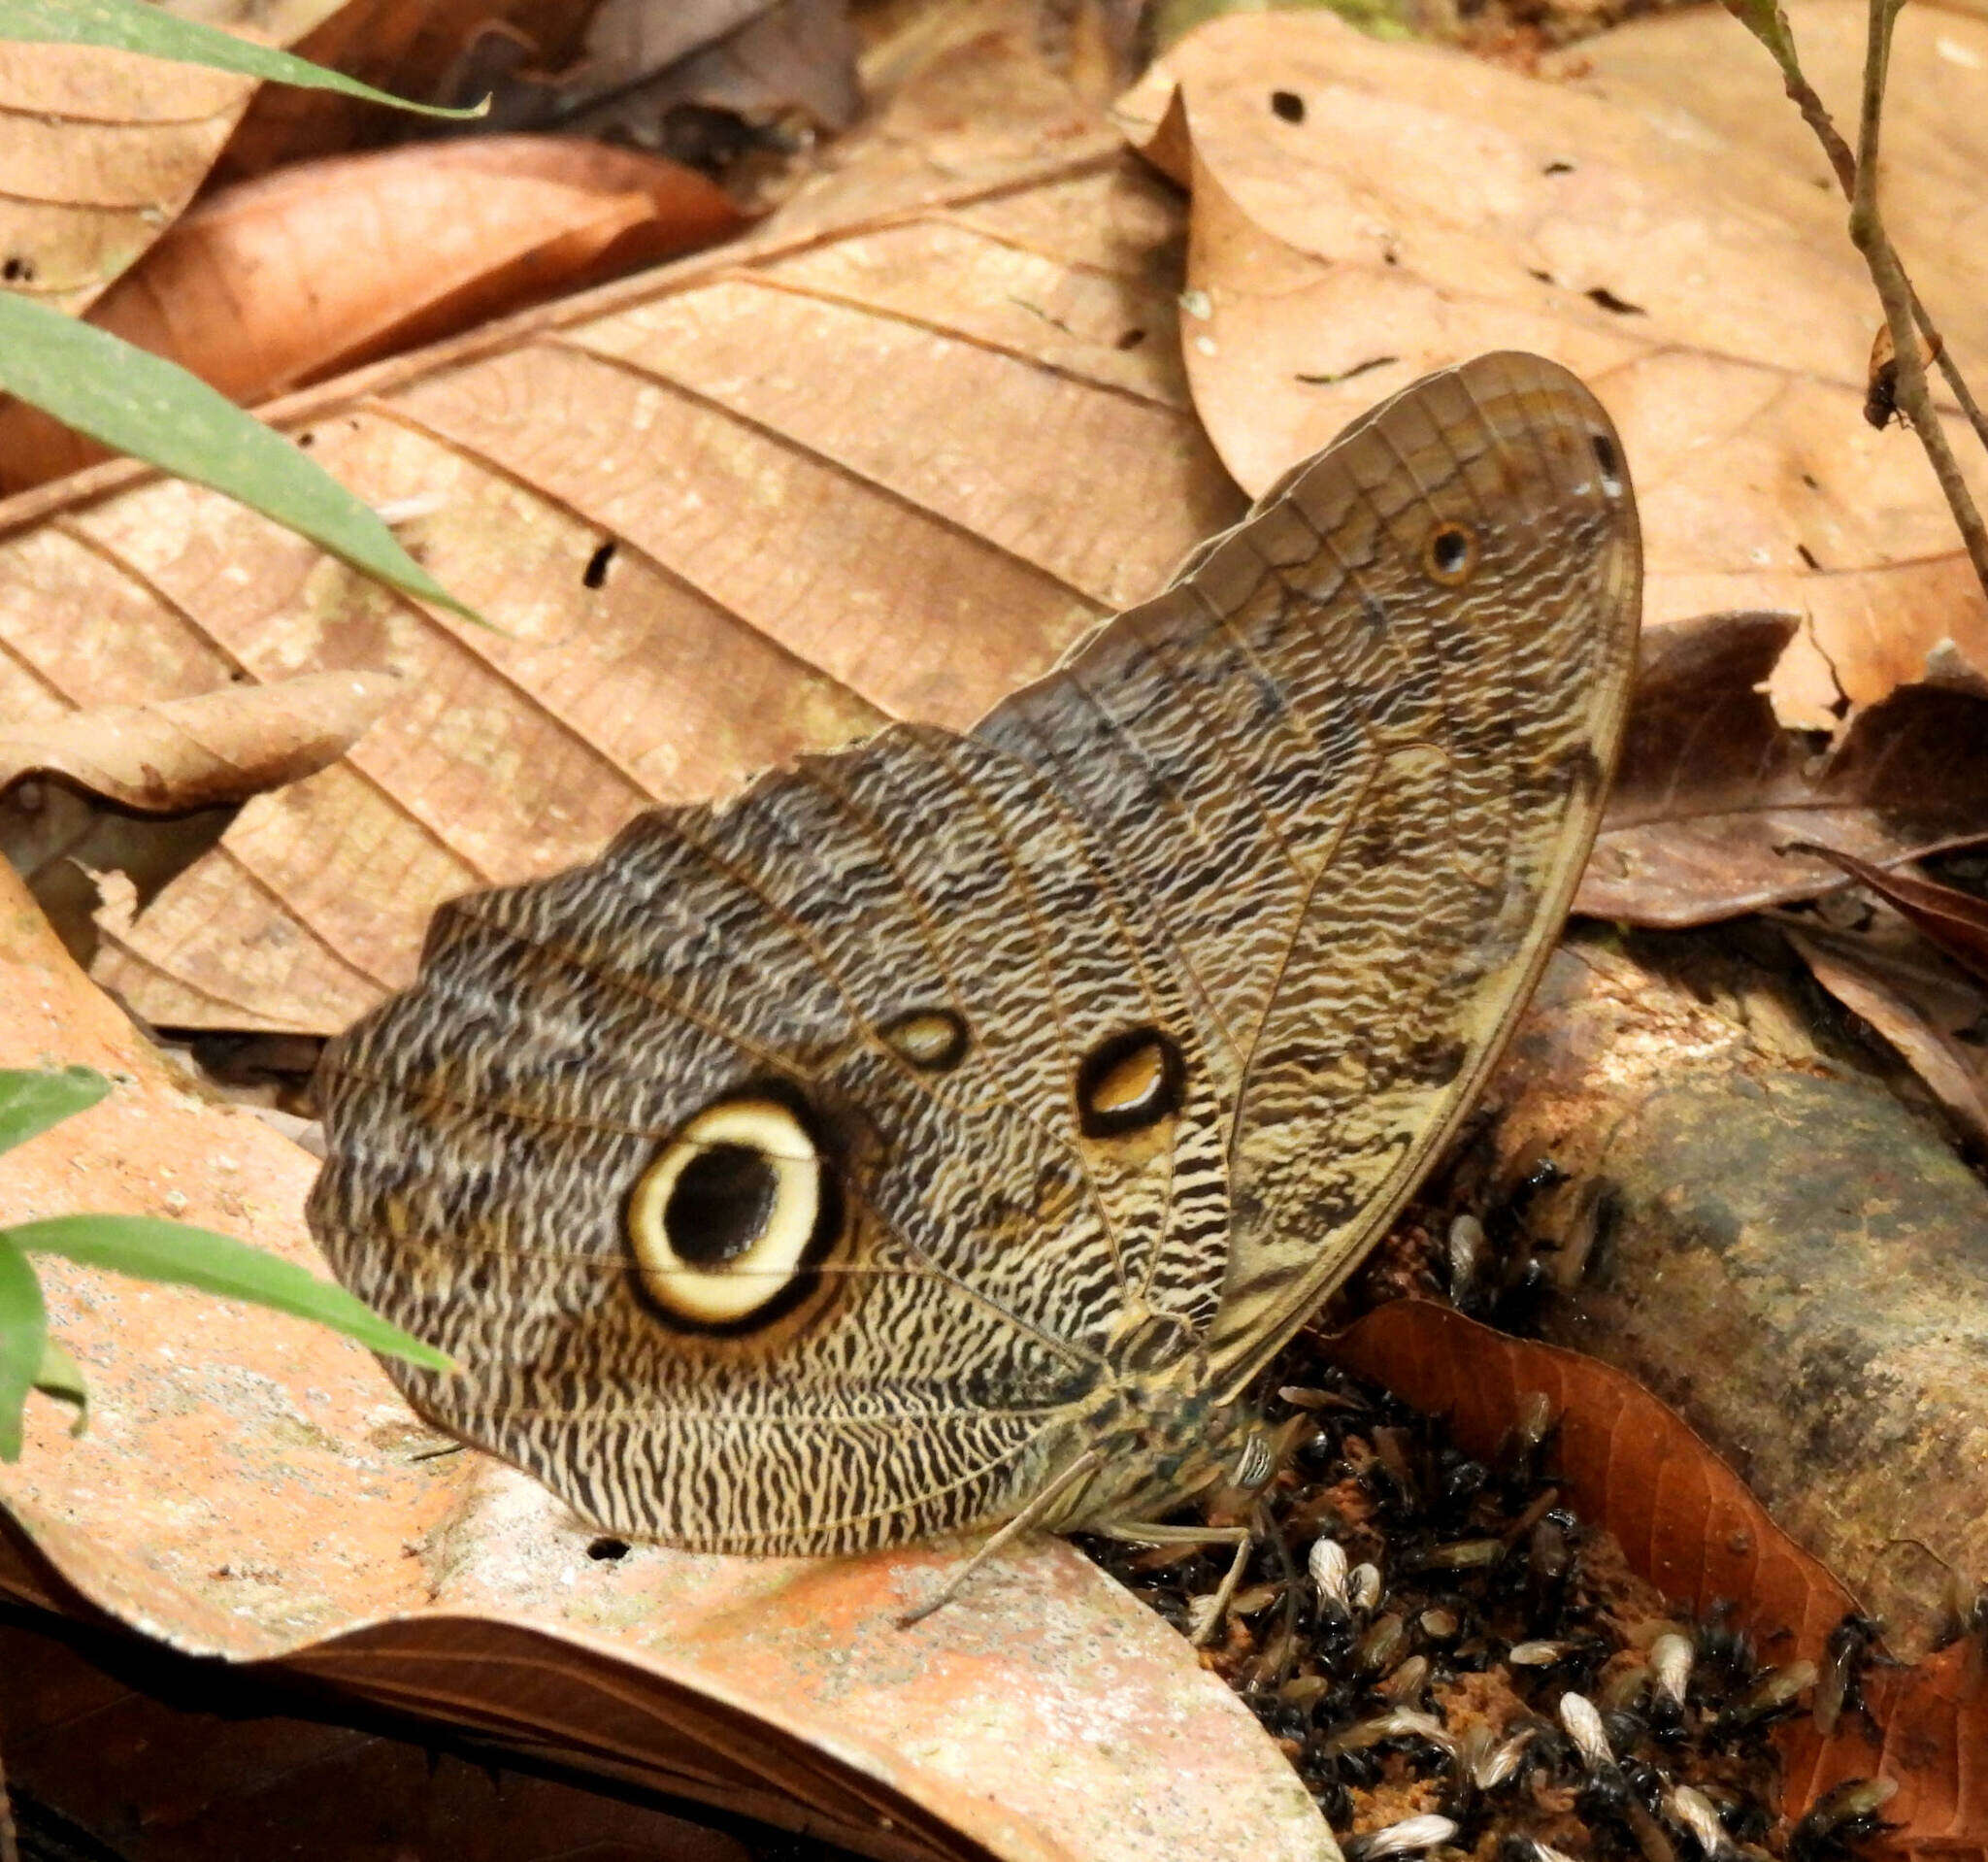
[23, 1326]
[31, 1102]
[61, 1377]
[127, 26]
[153, 409]
[152, 1248]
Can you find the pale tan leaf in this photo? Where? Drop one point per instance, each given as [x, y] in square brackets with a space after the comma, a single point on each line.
[747, 506]
[1414, 206]
[304, 1522]
[283, 281]
[99, 151]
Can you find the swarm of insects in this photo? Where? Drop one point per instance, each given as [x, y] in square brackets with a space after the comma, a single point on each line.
[1457, 1664]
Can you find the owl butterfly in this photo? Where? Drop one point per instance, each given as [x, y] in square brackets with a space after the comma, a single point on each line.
[944, 1131]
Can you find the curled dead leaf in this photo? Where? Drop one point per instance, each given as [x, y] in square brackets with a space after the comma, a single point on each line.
[199, 752]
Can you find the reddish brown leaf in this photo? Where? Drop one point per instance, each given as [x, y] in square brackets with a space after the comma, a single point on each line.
[219, 1768]
[425, 49]
[1687, 1522]
[322, 266]
[1714, 797]
[1930, 1009]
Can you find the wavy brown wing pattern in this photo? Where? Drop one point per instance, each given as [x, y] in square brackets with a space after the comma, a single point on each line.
[817, 1171]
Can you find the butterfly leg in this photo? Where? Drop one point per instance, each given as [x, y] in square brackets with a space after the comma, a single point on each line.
[1207, 1612]
[1022, 1522]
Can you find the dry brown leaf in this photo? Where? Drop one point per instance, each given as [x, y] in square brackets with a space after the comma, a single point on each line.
[285, 280]
[429, 51]
[1930, 1009]
[1687, 1523]
[219, 1768]
[747, 506]
[251, 1487]
[1956, 921]
[99, 151]
[141, 792]
[1406, 205]
[1713, 798]
[653, 74]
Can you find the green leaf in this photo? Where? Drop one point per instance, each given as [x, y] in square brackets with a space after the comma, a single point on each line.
[32, 1102]
[59, 1376]
[23, 1326]
[155, 1249]
[152, 409]
[128, 25]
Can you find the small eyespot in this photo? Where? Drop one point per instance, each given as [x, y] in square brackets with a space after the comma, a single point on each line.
[1129, 1082]
[1288, 106]
[1611, 462]
[1450, 555]
[934, 1040]
[722, 1222]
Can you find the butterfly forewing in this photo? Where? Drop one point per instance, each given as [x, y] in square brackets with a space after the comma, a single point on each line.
[1111, 1033]
[1398, 685]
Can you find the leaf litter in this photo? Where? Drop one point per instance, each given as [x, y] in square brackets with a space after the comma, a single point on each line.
[1080, 320]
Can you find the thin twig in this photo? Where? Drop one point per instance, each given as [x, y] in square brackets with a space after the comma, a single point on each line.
[1895, 293]
[1767, 22]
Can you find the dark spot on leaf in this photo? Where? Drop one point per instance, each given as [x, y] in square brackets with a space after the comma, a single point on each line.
[1288, 106]
[1802, 550]
[1609, 301]
[1558, 168]
[605, 1549]
[595, 574]
[1130, 339]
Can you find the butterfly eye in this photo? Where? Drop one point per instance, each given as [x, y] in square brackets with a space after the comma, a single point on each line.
[933, 1039]
[1128, 1082]
[723, 1220]
[1450, 555]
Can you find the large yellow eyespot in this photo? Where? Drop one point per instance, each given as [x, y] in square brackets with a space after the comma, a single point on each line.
[722, 1222]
